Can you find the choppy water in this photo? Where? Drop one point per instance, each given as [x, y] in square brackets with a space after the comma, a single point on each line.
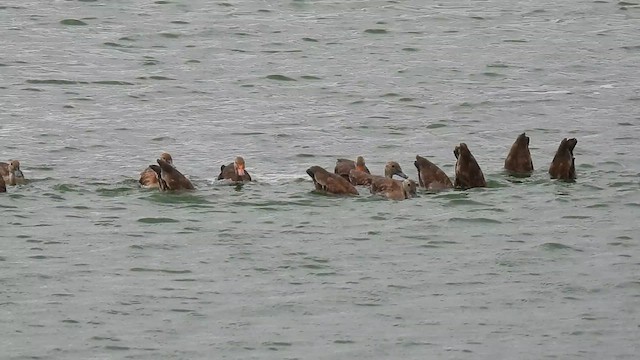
[91, 266]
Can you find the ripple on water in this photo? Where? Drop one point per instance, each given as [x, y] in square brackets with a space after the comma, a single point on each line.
[112, 82]
[163, 139]
[629, 285]
[73, 22]
[553, 247]
[155, 77]
[343, 342]
[437, 125]
[166, 271]
[170, 35]
[576, 217]
[376, 31]
[114, 192]
[280, 77]
[52, 82]
[477, 220]
[116, 45]
[67, 188]
[465, 201]
[117, 348]
[157, 220]
[177, 198]
[623, 184]
[443, 242]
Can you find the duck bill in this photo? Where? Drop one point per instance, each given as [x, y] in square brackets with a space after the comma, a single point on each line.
[18, 174]
[401, 174]
[240, 170]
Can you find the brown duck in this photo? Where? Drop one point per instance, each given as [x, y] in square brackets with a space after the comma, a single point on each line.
[3, 186]
[563, 166]
[344, 166]
[518, 161]
[149, 178]
[468, 172]
[169, 178]
[394, 189]
[11, 173]
[330, 183]
[234, 171]
[430, 176]
[358, 177]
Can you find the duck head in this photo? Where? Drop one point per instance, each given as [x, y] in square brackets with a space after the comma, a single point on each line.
[393, 168]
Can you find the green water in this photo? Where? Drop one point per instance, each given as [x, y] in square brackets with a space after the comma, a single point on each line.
[92, 266]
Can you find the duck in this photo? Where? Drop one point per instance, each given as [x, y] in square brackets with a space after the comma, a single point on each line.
[149, 178]
[344, 166]
[563, 166]
[235, 171]
[518, 161]
[169, 178]
[330, 182]
[468, 172]
[358, 177]
[430, 176]
[11, 173]
[394, 189]
[3, 186]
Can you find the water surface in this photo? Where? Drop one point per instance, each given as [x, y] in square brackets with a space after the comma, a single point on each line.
[92, 266]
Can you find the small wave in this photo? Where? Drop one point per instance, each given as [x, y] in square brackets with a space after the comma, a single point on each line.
[466, 202]
[155, 77]
[376, 31]
[280, 78]
[552, 246]
[475, 220]
[159, 220]
[73, 22]
[112, 82]
[116, 45]
[114, 192]
[170, 35]
[51, 82]
[167, 271]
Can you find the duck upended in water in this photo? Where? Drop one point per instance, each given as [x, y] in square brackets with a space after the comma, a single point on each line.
[518, 161]
[234, 171]
[344, 166]
[11, 173]
[358, 177]
[149, 178]
[468, 172]
[430, 176]
[563, 166]
[394, 189]
[330, 183]
[169, 178]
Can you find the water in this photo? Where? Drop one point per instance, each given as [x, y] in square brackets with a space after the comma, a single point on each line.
[93, 267]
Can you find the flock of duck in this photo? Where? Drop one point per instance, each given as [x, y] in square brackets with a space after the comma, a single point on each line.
[348, 173]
